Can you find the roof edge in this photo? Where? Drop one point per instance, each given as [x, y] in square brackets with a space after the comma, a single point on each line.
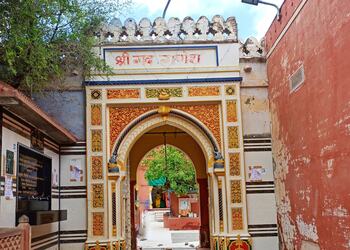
[162, 81]
[16, 98]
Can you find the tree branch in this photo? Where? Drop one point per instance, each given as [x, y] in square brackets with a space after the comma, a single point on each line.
[57, 25]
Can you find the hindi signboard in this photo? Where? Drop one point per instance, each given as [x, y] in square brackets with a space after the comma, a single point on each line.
[161, 57]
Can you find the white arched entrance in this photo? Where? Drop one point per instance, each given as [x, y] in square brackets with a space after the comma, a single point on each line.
[118, 181]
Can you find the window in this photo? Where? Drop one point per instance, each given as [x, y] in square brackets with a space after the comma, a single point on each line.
[297, 78]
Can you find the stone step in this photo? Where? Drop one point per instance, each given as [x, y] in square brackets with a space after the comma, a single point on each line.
[182, 237]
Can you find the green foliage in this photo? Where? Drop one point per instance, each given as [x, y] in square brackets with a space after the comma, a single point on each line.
[41, 41]
[177, 169]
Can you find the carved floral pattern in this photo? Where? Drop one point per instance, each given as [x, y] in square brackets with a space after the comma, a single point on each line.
[97, 245]
[96, 94]
[96, 114]
[235, 168]
[237, 218]
[172, 121]
[119, 245]
[222, 243]
[97, 223]
[172, 92]
[231, 111]
[236, 191]
[97, 195]
[230, 90]
[204, 91]
[233, 137]
[120, 117]
[123, 93]
[96, 140]
[208, 114]
[96, 167]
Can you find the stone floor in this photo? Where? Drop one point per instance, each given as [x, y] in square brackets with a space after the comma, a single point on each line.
[155, 236]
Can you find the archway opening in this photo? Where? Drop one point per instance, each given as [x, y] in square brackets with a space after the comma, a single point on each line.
[185, 216]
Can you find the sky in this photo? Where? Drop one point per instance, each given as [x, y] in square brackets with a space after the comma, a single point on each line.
[251, 20]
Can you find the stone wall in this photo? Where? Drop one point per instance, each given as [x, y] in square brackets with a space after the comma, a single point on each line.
[256, 121]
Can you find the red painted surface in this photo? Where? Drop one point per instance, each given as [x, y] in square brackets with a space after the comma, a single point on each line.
[204, 232]
[174, 206]
[182, 223]
[143, 191]
[143, 194]
[132, 214]
[239, 245]
[311, 126]
[195, 208]
[287, 10]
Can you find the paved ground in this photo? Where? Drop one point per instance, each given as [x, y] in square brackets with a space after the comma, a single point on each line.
[156, 237]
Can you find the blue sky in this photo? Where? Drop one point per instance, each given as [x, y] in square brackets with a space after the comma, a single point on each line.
[252, 20]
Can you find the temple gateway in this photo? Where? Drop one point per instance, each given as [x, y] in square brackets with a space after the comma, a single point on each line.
[193, 139]
[197, 78]
[188, 84]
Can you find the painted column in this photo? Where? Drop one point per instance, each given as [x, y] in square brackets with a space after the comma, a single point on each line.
[234, 176]
[96, 172]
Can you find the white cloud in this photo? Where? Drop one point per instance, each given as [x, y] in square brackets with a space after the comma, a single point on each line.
[183, 8]
[263, 17]
[256, 19]
[153, 6]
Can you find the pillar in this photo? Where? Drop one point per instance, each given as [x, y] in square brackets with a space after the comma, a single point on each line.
[132, 214]
[204, 213]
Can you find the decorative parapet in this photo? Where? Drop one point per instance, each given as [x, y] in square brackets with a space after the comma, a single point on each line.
[252, 48]
[171, 31]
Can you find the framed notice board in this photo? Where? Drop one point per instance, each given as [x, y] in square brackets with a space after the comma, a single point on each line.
[9, 161]
[33, 180]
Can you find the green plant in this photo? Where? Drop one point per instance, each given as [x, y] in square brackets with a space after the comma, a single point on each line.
[176, 167]
[42, 41]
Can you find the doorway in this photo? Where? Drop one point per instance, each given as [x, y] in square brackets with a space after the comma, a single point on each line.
[180, 221]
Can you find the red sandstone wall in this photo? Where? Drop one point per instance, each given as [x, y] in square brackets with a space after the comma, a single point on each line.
[183, 223]
[142, 193]
[311, 127]
[175, 205]
[143, 188]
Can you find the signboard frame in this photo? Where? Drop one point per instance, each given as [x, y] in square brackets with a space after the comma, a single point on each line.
[48, 164]
[161, 48]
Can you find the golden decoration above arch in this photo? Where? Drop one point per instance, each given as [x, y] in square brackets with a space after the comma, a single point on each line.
[121, 116]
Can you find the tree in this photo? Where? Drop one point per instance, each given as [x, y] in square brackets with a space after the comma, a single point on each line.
[178, 170]
[41, 41]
